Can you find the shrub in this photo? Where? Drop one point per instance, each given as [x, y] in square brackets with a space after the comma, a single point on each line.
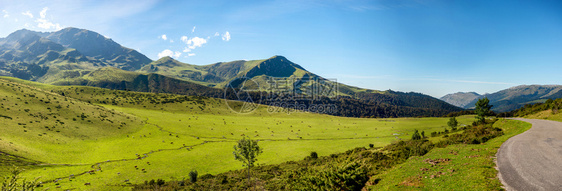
[416, 135]
[13, 182]
[313, 155]
[347, 176]
[160, 182]
[453, 123]
[193, 176]
[433, 134]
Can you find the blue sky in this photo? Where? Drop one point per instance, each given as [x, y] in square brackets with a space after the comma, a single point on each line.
[428, 46]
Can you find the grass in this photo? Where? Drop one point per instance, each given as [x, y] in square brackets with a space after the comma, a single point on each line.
[177, 133]
[547, 114]
[459, 167]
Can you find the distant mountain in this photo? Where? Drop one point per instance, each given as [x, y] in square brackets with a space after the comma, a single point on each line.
[26, 50]
[511, 98]
[27, 55]
[461, 99]
[99, 47]
[261, 71]
[81, 57]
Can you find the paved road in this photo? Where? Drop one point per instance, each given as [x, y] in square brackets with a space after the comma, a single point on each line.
[533, 160]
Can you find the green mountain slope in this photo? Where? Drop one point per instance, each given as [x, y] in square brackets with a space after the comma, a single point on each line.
[220, 74]
[36, 122]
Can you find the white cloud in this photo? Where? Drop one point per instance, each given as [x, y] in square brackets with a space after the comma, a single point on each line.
[226, 36]
[27, 13]
[164, 37]
[186, 49]
[217, 34]
[196, 42]
[6, 15]
[44, 23]
[191, 54]
[43, 12]
[184, 39]
[169, 53]
[193, 30]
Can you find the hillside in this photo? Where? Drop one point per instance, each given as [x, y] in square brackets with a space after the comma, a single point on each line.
[511, 98]
[37, 123]
[73, 135]
[352, 101]
[550, 110]
[219, 74]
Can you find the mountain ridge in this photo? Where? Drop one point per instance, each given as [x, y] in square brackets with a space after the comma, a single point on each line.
[83, 57]
[511, 98]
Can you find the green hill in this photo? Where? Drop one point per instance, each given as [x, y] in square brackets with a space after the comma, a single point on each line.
[39, 124]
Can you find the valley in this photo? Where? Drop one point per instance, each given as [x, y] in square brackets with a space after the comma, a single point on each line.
[79, 111]
[165, 135]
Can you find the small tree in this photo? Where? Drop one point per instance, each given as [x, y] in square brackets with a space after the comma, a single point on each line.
[483, 109]
[193, 176]
[453, 123]
[247, 151]
[423, 134]
[313, 155]
[416, 135]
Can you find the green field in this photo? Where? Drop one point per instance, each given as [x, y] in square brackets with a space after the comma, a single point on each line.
[109, 138]
[547, 114]
[459, 166]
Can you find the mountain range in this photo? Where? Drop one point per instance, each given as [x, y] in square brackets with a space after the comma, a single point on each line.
[75, 56]
[508, 99]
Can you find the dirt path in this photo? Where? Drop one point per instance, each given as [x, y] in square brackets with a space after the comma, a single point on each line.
[533, 160]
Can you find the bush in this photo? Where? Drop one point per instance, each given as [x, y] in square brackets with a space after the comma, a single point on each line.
[193, 176]
[13, 182]
[160, 182]
[347, 176]
[433, 134]
[313, 155]
[416, 135]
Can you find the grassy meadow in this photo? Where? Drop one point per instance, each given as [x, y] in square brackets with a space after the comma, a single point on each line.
[71, 135]
[547, 114]
[456, 167]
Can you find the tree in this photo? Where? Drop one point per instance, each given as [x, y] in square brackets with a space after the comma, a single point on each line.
[313, 155]
[193, 176]
[416, 135]
[482, 109]
[423, 134]
[453, 123]
[247, 151]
